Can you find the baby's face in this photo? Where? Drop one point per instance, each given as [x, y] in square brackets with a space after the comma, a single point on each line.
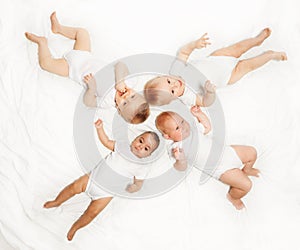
[176, 128]
[143, 145]
[127, 102]
[173, 85]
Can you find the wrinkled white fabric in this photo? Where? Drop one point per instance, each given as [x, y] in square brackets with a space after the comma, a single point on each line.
[37, 157]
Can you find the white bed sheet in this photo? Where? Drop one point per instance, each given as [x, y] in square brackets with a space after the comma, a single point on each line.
[37, 156]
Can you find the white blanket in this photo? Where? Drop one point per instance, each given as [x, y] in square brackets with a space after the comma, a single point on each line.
[37, 156]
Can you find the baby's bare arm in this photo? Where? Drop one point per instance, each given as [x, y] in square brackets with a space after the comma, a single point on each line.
[185, 51]
[135, 186]
[89, 98]
[202, 118]
[110, 144]
[210, 94]
[121, 71]
[181, 162]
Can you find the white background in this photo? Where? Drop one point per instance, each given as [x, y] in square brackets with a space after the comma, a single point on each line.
[37, 156]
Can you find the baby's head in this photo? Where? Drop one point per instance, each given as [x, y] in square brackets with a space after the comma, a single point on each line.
[132, 106]
[144, 144]
[172, 126]
[162, 90]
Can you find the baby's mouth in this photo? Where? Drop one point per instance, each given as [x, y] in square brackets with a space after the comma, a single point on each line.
[121, 93]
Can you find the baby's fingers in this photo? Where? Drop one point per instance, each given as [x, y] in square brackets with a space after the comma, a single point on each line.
[98, 122]
[204, 35]
[87, 78]
[195, 108]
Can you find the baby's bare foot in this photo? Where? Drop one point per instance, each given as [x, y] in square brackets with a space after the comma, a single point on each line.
[263, 35]
[237, 203]
[71, 233]
[278, 56]
[252, 172]
[55, 25]
[50, 204]
[34, 38]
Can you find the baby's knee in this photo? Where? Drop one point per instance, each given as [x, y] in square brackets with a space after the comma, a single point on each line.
[92, 212]
[243, 67]
[82, 32]
[247, 185]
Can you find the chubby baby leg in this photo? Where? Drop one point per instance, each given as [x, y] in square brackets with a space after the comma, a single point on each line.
[69, 191]
[239, 48]
[95, 207]
[80, 35]
[240, 185]
[248, 156]
[245, 66]
[57, 66]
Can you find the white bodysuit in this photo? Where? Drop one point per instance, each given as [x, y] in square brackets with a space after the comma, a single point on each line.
[81, 63]
[119, 164]
[224, 160]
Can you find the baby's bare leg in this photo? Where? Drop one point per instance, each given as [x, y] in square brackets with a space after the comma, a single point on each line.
[248, 156]
[56, 66]
[69, 191]
[240, 185]
[245, 66]
[237, 49]
[80, 35]
[95, 207]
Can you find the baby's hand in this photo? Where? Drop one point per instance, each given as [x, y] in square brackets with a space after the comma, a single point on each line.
[99, 124]
[209, 87]
[202, 42]
[196, 110]
[121, 86]
[90, 81]
[131, 188]
[178, 154]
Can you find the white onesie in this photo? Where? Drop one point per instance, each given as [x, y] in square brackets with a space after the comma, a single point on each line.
[227, 160]
[119, 164]
[217, 69]
[81, 63]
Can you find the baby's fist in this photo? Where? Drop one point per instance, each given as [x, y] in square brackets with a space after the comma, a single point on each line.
[121, 86]
[131, 188]
[196, 110]
[209, 87]
[99, 123]
[178, 154]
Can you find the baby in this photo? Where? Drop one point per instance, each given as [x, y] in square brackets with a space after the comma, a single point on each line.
[131, 105]
[222, 66]
[79, 65]
[162, 90]
[234, 167]
[141, 147]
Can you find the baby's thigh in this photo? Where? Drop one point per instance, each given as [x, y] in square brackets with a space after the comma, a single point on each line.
[56, 66]
[236, 178]
[245, 153]
[80, 184]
